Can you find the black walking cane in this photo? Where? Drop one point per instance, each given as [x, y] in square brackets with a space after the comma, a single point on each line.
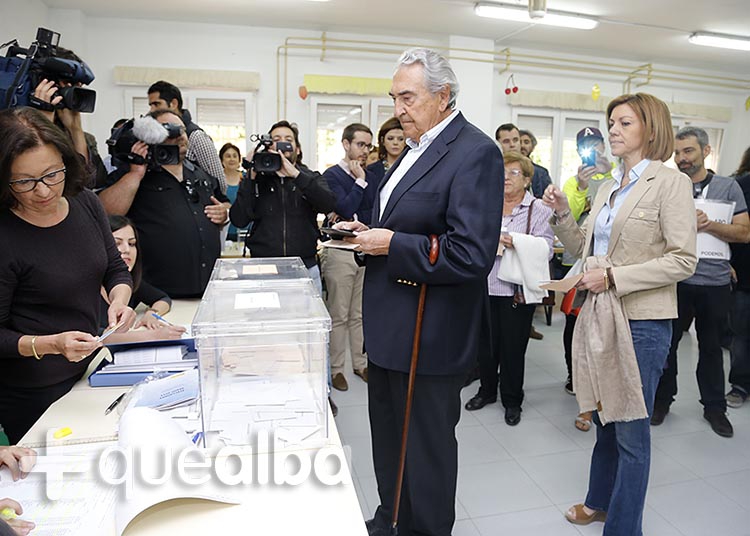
[434, 250]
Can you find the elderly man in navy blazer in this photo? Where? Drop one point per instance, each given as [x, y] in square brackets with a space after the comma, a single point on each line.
[449, 182]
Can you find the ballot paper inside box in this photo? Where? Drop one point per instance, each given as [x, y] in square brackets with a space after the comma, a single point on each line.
[262, 351]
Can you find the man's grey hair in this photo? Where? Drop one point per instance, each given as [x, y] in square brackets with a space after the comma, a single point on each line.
[699, 133]
[438, 73]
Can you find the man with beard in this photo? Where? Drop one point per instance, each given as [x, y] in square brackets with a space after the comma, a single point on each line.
[355, 189]
[707, 292]
[541, 178]
[281, 207]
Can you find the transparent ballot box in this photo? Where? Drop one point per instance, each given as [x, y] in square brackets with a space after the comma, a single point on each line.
[259, 269]
[262, 351]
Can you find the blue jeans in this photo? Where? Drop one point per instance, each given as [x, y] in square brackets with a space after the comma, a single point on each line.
[621, 459]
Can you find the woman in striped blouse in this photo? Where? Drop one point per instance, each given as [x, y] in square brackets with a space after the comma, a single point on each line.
[505, 335]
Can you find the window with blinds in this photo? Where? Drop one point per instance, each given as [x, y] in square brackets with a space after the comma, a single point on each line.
[223, 120]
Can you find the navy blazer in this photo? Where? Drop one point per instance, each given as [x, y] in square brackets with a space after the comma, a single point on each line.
[454, 190]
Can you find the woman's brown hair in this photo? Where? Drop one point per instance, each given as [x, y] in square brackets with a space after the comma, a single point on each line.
[25, 129]
[392, 124]
[658, 136]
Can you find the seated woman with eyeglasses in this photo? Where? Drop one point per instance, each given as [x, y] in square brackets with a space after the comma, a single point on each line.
[159, 303]
[58, 252]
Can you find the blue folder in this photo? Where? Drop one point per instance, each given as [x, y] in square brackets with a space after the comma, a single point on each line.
[124, 379]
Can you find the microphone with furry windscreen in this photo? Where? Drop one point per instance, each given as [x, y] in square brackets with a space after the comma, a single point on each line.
[149, 130]
[152, 133]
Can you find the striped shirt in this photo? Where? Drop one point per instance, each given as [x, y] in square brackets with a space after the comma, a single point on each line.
[516, 222]
[201, 149]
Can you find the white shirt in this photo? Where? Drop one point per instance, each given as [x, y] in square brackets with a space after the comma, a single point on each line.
[362, 183]
[415, 151]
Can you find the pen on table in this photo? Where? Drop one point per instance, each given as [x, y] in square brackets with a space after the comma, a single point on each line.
[113, 405]
[161, 319]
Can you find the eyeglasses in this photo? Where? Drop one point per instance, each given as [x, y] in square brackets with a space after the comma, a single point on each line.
[362, 145]
[21, 186]
[513, 173]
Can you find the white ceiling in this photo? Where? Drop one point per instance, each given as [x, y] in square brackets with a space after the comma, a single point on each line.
[636, 30]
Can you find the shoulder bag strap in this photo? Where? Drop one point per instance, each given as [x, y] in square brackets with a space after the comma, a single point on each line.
[528, 218]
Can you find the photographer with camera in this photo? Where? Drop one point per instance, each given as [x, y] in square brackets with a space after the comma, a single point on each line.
[282, 200]
[49, 78]
[201, 150]
[177, 207]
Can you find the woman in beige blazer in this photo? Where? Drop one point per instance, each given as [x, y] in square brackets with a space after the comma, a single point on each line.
[644, 221]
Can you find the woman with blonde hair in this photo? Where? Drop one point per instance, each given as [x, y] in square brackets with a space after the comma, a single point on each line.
[639, 241]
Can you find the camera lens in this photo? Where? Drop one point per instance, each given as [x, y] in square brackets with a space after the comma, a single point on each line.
[161, 155]
[267, 162]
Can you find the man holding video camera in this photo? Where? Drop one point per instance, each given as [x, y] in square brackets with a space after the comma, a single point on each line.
[201, 149]
[281, 201]
[177, 207]
[50, 78]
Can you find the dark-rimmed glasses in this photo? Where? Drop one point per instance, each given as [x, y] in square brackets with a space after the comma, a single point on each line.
[21, 186]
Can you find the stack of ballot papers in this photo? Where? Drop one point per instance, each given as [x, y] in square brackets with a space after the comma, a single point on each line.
[169, 392]
[287, 408]
[149, 359]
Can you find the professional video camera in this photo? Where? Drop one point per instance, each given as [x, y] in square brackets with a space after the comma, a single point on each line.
[20, 76]
[264, 161]
[151, 132]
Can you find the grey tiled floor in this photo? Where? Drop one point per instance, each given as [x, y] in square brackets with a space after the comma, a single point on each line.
[518, 481]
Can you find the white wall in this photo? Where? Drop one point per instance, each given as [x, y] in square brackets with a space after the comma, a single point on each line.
[19, 19]
[105, 42]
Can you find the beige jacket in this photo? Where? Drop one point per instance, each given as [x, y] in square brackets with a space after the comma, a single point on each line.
[653, 241]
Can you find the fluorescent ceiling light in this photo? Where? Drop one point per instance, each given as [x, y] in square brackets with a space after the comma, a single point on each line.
[720, 41]
[521, 14]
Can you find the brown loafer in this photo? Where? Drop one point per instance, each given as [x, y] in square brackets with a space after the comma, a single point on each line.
[362, 374]
[578, 516]
[339, 382]
[534, 334]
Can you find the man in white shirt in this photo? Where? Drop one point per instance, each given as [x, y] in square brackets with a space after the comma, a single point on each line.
[447, 184]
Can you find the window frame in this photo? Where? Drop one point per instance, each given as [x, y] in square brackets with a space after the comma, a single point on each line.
[558, 132]
[189, 97]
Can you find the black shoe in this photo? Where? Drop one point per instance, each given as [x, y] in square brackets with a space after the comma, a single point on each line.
[472, 376]
[719, 422]
[374, 530]
[478, 402]
[512, 416]
[334, 407]
[659, 414]
[569, 386]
